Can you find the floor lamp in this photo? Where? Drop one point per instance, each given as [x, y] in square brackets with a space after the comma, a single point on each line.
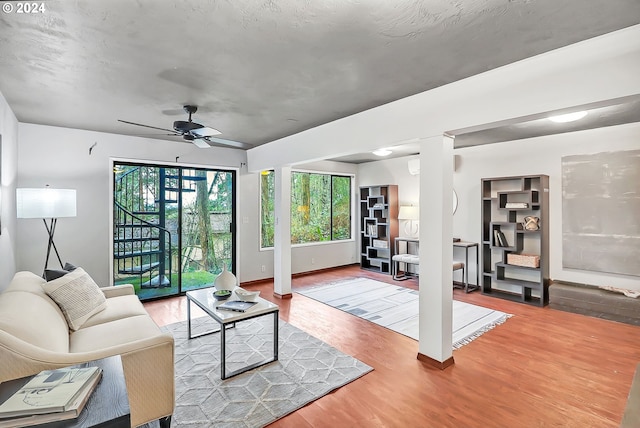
[46, 203]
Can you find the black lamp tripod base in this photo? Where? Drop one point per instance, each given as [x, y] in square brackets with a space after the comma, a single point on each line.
[51, 229]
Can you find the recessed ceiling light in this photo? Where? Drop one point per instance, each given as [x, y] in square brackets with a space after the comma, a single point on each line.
[568, 117]
[382, 152]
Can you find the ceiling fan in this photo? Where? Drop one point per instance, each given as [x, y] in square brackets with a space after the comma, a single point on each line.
[198, 134]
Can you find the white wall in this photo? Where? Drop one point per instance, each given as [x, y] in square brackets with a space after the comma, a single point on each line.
[392, 171]
[60, 157]
[8, 178]
[541, 155]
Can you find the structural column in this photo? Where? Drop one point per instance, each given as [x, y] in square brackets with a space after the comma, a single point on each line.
[282, 234]
[436, 251]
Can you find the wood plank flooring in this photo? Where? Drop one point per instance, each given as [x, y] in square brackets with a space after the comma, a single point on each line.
[542, 368]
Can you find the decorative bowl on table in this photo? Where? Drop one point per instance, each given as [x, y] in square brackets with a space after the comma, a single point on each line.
[246, 295]
[221, 294]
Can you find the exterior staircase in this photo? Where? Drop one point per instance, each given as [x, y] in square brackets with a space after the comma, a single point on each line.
[145, 234]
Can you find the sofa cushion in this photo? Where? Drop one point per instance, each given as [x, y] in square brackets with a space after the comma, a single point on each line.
[117, 308]
[78, 296]
[35, 320]
[114, 333]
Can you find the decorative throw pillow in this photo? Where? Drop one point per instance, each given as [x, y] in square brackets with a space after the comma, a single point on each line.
[51, 274]
[69, 267]
[78, 296]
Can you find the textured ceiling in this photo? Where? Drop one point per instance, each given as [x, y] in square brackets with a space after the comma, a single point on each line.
[262, 70]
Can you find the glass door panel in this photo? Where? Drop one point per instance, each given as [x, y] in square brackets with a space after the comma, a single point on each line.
[207, 226]
[173, 227]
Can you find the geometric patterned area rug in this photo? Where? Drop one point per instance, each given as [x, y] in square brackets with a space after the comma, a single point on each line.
[307, 368]
[396, 308]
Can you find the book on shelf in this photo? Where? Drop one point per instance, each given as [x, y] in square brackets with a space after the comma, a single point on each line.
[237, 305]
[499, 240]
[516, 205]
[49, 396]
[503, 239]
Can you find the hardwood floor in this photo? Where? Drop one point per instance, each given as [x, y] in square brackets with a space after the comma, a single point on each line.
[541, 368]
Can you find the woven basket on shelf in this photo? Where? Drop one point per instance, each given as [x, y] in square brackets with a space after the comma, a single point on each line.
[528, 260]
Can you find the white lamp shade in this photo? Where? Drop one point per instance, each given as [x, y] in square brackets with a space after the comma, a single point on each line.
[409, 213]
[45, 203]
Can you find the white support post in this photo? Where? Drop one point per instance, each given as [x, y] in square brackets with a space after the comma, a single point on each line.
[436, 253]
[282, 233]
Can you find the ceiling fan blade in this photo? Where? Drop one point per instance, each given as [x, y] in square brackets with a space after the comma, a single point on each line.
[175, 134]
[146, 126]
[230, 143]
[205, 131]
[199, 142]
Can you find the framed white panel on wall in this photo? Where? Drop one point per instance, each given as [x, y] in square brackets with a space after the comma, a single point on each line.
[600, 206]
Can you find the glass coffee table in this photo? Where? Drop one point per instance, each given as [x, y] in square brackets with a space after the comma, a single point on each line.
[204, 299]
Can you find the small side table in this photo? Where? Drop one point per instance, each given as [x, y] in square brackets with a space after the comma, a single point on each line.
[108, 405]
[466, 246]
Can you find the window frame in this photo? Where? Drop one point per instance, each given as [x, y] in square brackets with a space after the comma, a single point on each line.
[352, 208]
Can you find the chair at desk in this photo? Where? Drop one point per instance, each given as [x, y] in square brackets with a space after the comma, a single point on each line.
[460, 266]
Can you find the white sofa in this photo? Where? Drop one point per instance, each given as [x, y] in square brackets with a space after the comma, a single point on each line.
[35, 336]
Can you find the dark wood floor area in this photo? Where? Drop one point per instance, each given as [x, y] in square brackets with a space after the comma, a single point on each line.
[542, 368]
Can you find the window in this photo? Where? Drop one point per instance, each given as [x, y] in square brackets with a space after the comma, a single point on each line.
[320, 207]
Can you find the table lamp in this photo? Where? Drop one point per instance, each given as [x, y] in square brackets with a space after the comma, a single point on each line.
[411, 214]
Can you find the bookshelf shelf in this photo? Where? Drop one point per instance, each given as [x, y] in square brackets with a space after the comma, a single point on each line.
[506, 201]
[379, 223]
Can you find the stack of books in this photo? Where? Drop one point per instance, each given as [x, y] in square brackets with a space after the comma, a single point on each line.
[52, 395]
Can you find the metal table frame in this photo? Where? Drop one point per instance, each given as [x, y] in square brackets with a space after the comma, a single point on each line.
[228, 319]
[460, 244]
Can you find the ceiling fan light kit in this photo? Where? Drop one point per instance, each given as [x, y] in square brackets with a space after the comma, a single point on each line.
[183, 126]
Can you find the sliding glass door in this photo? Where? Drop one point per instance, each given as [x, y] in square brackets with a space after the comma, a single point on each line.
[173, 227]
